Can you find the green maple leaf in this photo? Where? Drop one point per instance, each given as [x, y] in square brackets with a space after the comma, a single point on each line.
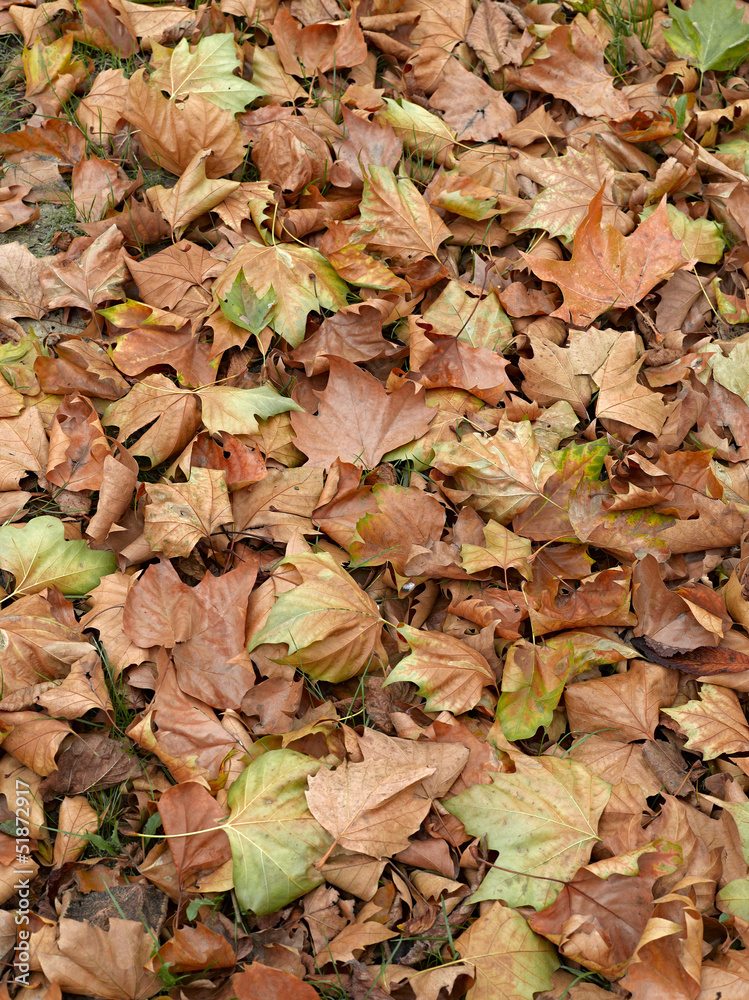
[275, 840]
[299, 278]
[38, 555]
[247, 310]
[542, 820]
[712, 33]
[208, 70]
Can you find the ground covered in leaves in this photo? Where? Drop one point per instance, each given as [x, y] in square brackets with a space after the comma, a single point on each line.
[374, 468]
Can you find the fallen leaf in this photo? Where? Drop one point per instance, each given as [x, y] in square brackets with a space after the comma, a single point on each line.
[715, 724]
[330, 626]
[574, 70]
[301, 280]
[372, 807]
[358, 421]
[542, 820]
[609, 269]
[179, 515]
[207, 70]
[405, 228]
[449, 674]
[109, 963]
[508, 959]
[38, 556]
[275, 839]
[622, 706]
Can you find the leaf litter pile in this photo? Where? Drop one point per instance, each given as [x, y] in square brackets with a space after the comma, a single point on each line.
[375, 465]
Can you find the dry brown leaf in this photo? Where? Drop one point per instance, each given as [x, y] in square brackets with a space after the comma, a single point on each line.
[358, 421]
[372, 807]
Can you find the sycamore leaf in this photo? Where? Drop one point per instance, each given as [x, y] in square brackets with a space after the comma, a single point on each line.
[77, 818]
[574, 69]
[192, 195]
[621, 397]
[501, 547]
[543, 821]
[711, 32]
[600, 916]
[420, 131]
[570, 183]
[733, 371]
[39, 556]
[535, 674]
[449, 673]
[172, 132]
[302, 280]
[24, 447]
[329, 624]
[180, 514]
[236, 411]
[208, 70]
[715, 724]
[509, 959]
[243, 307]
[405, 228]
[608, 269]
[733, 898]
[504, 474]
[480, 323]
[169, 415]
[357, 420]
[622, 707]
[275, 840]
[94, 277]
[371, 807]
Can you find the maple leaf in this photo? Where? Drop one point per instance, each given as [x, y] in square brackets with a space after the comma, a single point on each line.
[570, 183]
[180, 514]
[574, 70]
[503, 474]
[535, 675]
[711, 32]
[609, 269]
[330, 626]
[207, 70]
[301, 279]
[358, 421]
[39, 556]
[404, 227]
[542, 820]
[192, 195]
[87, 280]
[372, 807]
[613, 901]
[448, 673]
[172, 132]
[509, 959]
[275, 840]
[169, 415]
